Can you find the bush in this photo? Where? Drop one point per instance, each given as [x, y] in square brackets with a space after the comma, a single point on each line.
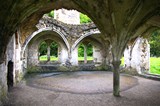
[84, 18]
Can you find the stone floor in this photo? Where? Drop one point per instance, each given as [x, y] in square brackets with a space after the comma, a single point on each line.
[84, 89]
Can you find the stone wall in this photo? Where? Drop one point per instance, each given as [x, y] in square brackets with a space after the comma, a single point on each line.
[3, 82]
[67, 16]
[136, 56]
[10, 54]
[97, 57]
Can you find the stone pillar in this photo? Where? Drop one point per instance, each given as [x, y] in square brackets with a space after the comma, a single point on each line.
[74, 57]
[48, 53]
[11, 54]
[62, 55]
[18, 58]
[48, 49]
[85, 53]
[116, 77]
[97, 56]
[137, 56]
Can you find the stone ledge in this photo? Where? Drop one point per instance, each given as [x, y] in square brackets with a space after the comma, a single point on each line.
[150, 76]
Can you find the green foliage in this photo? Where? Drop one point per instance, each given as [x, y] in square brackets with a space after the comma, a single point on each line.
[122, 61]
[155, 65]
[154, 43]
[89, 50]
[82, 58]
[54, 49]
[84, 18]
[81, 50]
[43, 48]
[51, 14]
[44, 58]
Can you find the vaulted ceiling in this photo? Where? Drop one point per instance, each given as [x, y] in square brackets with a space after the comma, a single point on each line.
[118, 20]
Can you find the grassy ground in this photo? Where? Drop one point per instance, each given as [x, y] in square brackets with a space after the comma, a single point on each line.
[154, 65]
[44, 58]
[82, 58]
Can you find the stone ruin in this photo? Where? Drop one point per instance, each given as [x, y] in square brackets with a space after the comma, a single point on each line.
[119, 26]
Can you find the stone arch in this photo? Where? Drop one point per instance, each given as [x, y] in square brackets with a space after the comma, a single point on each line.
[97, 49]
[60, 46]
[10, 76]
[42, 30]
[34, 44]
[84, 35]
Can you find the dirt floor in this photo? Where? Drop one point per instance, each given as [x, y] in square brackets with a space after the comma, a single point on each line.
[83, 89]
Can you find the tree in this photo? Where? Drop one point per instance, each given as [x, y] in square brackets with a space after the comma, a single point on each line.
[43, 48]
[154, 43]
[81, 51]
[84, 18]
[54, 49]
[89, 50]
[51, 14]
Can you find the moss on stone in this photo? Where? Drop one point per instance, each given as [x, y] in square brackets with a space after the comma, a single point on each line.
[130, 71]
[3, 94]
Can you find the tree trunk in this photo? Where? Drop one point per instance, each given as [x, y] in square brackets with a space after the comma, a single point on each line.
[116, 77]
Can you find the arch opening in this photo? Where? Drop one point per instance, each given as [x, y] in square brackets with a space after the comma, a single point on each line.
[85, 53]
[10, 77]
[48, 51]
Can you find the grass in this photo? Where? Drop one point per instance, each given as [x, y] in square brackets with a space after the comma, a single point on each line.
[44, 58]
[82, 58]
[53, 58]
[154, 65]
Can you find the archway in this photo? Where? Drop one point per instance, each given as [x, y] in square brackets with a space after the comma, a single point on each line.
[85, 53]
[90, 50]
[10, 76]
[49, 37]
[48, 51]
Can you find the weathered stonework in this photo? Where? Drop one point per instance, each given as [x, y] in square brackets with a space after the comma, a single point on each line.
[67, 16]
[3, 82]
[72, 35]
[119, 22]
[137, 56]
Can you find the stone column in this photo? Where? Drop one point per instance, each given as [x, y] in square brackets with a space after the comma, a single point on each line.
[62, 55]
[48, 49]
[97, 56]
[48, 53]
[85, 53]
[74, 57]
